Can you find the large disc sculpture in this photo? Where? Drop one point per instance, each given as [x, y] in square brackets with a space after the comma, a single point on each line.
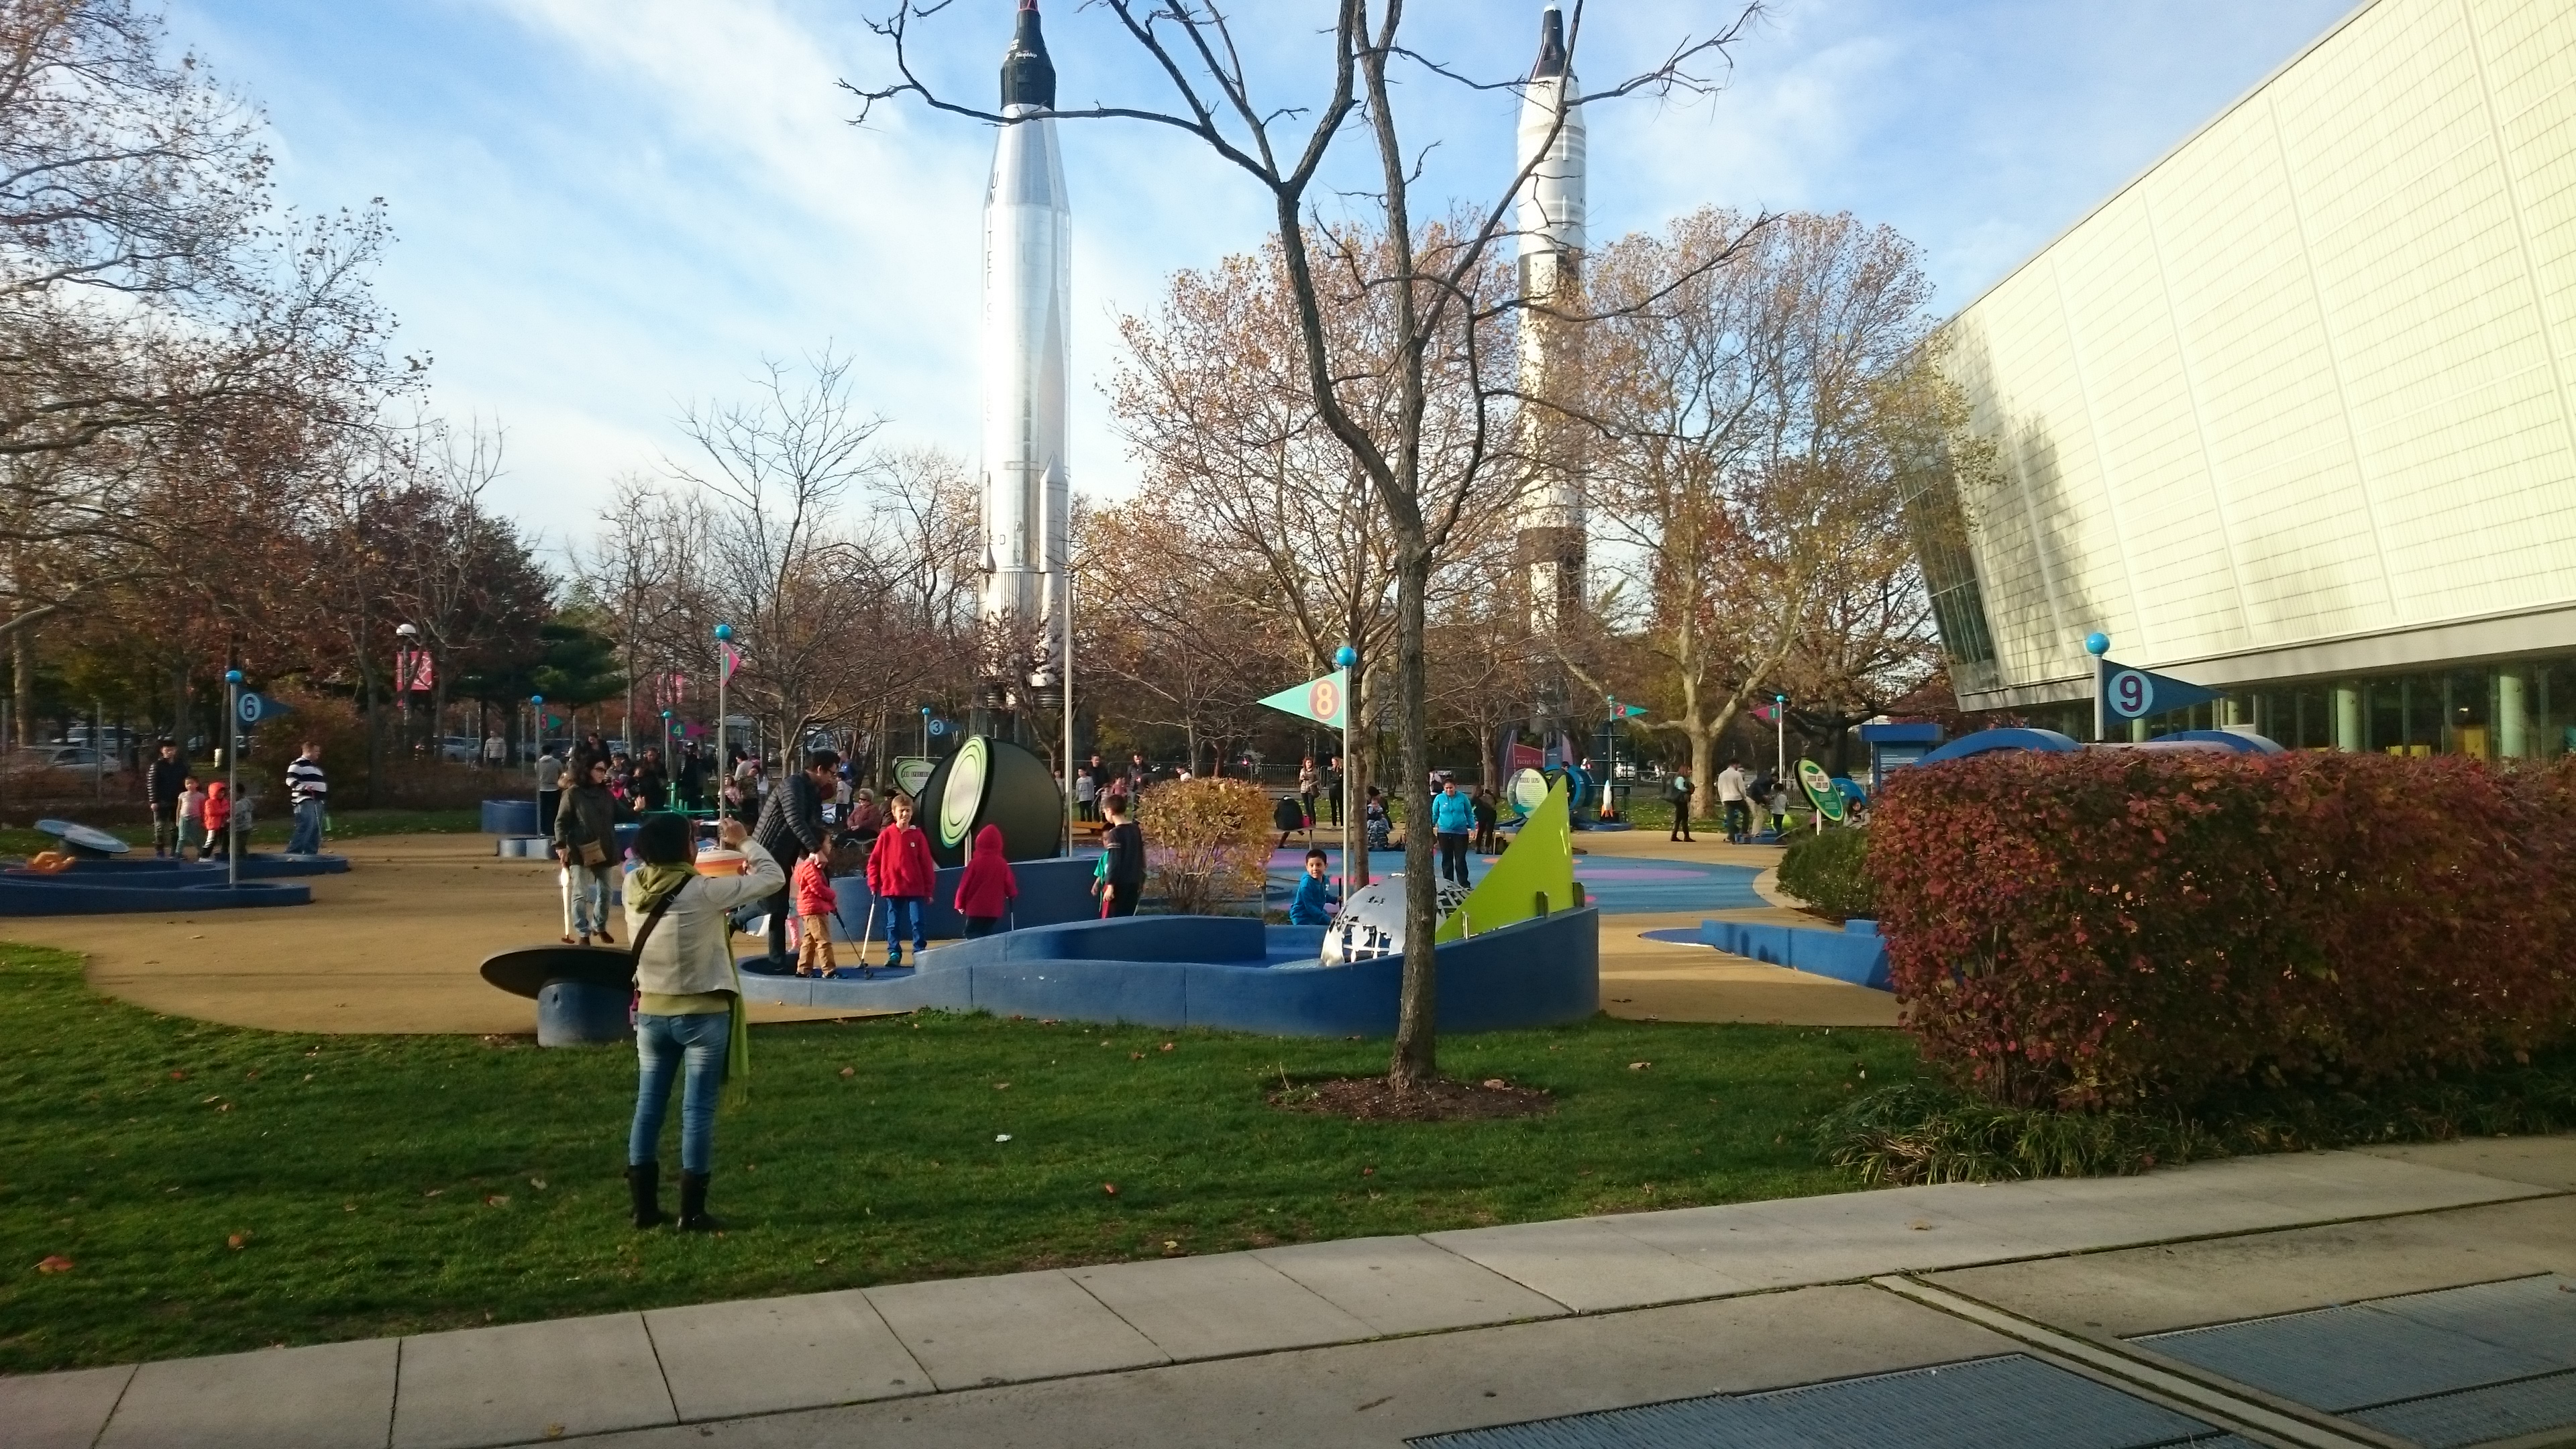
[991, 781]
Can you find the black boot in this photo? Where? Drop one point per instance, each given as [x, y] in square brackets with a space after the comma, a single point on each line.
[644, 1185]
[693, 1204]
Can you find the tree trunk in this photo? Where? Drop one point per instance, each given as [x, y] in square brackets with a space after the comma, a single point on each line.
[22, 668]
[1703, 754]
[1417, 1059]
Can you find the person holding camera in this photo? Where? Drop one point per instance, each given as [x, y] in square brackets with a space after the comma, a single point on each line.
[688, 1008]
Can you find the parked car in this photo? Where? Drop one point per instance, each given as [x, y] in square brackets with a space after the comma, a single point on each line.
[459, 750]
[76, 759]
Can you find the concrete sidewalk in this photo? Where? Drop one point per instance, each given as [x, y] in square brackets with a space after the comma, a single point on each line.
[1375, 1340]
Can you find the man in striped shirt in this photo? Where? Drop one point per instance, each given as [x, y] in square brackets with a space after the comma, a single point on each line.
[306, 789]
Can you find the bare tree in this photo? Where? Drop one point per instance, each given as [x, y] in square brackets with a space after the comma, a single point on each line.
[1258, 502]
[1755, 418]
[1192, 46]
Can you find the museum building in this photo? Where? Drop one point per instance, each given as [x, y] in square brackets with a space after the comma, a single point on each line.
[2290, 414]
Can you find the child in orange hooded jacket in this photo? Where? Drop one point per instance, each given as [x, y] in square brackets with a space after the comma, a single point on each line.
[815, 903]
[218, 814]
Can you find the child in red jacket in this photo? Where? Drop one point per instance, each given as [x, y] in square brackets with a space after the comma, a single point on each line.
[815, 903]
[986, 888]
[900, 870]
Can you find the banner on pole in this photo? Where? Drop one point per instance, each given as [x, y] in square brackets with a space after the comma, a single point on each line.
[2133, 694]
[1325, 701]
[732, 662]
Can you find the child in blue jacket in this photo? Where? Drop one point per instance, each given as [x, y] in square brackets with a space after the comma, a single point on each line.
[1313, 903]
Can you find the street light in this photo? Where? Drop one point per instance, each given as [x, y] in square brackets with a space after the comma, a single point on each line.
[1780, 733]
[724, 677]
[232, 775]
[1347, 659]
[670, 760]
[405, 654]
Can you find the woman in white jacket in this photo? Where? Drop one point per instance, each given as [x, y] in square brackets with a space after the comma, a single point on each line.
[689, 1002]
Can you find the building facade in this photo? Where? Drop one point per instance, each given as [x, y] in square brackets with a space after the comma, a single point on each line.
[2290, 414]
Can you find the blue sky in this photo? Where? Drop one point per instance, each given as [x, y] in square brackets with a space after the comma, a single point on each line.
[610, 208]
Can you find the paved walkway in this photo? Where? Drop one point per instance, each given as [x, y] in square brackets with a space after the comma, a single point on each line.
[1376, 1340]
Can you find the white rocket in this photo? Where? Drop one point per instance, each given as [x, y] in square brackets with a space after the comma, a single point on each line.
[1028, 305]
[1550, 222]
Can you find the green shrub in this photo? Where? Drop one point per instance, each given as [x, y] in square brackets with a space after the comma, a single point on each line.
[1830, 872]
[1922, 1131]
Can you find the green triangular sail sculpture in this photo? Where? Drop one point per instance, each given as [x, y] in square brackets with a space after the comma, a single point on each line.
[1539, 863]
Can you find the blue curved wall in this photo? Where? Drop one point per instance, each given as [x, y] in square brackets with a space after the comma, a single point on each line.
[1052, 893]
[1232, 974]
[67, 895]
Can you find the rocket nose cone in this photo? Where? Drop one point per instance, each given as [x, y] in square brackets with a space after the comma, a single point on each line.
[1028, 72]
[1551, 45]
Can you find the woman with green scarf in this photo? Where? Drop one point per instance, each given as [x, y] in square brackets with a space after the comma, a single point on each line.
[689, 1003]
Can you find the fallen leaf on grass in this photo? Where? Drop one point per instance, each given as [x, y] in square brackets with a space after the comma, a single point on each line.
[849, 1071]
[226, 1107]
[1167, 1046]
[433, 1192]
[1135, 1056]
[1496, 1084]
[178, 1076]
[1639, 1066]
[496, 1199]
[1368, 1172]
[1001, 1136]
[538, 1183]
[55, 1263]
[238, 1241]
[1110, 1188]
[1001, 1086]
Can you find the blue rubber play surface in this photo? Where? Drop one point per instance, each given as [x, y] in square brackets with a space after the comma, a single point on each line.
[1617, 885]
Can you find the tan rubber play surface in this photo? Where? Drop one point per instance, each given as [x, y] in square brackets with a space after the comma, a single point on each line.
[393, 946]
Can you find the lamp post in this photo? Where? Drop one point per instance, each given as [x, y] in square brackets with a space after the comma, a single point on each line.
[232, 775]
[670, 762]
[1346, 659]
[408, 643]
[537, 738]
[1067, 576]
[1780, 734]
[1610, 747]
[2098, 645]
[724, 677]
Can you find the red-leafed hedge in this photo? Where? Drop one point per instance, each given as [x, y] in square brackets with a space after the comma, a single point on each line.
[2117, 927]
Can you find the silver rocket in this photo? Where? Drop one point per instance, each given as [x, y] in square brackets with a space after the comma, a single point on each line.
[1550, 223]
[1028, 305]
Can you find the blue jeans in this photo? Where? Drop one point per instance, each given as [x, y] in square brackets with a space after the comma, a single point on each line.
[661, 1044]
[308, 829]
[898, 907]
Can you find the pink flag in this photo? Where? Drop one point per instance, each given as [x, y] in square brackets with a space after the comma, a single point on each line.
[732, 661]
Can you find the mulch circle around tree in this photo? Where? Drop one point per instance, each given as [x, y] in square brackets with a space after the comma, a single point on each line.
[1373, 1099]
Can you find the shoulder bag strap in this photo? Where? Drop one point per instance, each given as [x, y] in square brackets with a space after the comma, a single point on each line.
[653, 918]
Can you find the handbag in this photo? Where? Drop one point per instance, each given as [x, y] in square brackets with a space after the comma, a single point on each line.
[593, 856]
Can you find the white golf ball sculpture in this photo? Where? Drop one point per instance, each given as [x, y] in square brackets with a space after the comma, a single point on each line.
[1372, 924]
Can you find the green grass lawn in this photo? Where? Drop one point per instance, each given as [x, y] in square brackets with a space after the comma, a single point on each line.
[220, 1189]
[345, 825]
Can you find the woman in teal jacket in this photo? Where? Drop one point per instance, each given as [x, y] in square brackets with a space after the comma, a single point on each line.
[1453, 821]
